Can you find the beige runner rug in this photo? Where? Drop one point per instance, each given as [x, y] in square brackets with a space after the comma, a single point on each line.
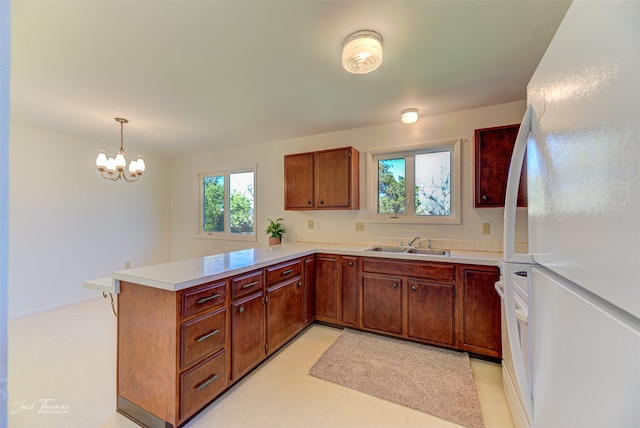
[426, 378]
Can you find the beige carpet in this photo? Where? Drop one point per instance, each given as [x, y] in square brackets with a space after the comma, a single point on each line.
[426, 378]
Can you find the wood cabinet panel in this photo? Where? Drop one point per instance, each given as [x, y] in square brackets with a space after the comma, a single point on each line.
[444, 272]
[203, 298]
[202, 336]
[298, 181]
[382, 303]
[431, 312]
[283, 271]
[202, 383]
[247, 334]
[327, 278]
[245, 284]
[350, 291]
[327, 179]
[481, 324]
[309, 289]
[284, 312]
[493, 149]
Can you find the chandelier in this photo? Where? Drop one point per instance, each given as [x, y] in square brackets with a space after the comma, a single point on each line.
[113, 168]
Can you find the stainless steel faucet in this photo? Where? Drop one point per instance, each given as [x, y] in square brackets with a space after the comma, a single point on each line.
[413, 240]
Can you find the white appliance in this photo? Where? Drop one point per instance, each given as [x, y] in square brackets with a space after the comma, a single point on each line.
[581, 363]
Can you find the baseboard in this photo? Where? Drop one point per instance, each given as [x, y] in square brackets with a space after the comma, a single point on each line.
[518, 413]
[52, 307]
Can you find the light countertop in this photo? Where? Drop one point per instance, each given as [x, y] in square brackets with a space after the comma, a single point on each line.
[182, 274]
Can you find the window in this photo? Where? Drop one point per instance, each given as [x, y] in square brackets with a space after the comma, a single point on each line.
[420, 185]
[227, 205]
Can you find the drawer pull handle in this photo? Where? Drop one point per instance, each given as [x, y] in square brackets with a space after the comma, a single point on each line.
[204, 384]
[206, 336]
[249, 285]
[241, 310]
[206, 299]
[414, 288]
[286, 272]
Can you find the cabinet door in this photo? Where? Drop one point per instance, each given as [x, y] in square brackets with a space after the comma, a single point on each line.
[493, 149]
[327, 288]
[382, 303]
[333, 177]
[298, 181]
[309, 283]
[284, 312]
[350, 291]
[481, 313]
[248, 334]
[431, 309]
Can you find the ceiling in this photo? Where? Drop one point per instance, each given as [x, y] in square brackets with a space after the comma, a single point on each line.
[193, 76]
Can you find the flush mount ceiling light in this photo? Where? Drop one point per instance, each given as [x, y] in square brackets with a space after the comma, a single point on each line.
[113, 168]
[409, 116]
[362, 52]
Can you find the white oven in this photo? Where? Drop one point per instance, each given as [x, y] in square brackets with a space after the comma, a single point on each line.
[519, 280]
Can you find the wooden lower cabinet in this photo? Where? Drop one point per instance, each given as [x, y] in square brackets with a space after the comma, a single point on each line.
[382, 303]
[349, 289]
[481, 324]
[247, 334]
[327, 281]
[178, 351]
[431, 312]
[284, 312]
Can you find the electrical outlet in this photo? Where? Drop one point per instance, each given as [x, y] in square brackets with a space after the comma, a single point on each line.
[359, 226]
[127, 265]
[310, 224]
[486, 228]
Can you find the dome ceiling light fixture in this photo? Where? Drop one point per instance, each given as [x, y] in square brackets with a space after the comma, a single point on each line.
[362, 52]
[409, 116]
[113, 168]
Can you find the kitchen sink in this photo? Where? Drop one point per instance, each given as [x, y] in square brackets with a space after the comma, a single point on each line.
[411, 250]
[389, 249]
[428, 251]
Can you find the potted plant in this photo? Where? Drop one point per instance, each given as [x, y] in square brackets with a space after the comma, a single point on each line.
[276, 230]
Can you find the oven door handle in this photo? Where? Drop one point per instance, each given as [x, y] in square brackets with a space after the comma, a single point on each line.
[521, 313]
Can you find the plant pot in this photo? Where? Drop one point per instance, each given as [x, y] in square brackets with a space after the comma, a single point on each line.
[275, 241]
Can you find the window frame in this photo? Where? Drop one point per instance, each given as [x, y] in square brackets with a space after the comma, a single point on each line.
[226, 235]
[454, 146]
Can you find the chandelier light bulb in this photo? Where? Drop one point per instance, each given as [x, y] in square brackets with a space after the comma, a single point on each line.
[114, 168]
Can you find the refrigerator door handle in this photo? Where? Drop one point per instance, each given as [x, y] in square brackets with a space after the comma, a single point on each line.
[511, 197]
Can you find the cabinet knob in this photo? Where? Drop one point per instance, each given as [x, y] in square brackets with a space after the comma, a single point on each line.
[414, 288]
[321, 202]
[299, 283]
[395, 285]
[350, 263]
[485, 197]
[241, 310]
[308, 202]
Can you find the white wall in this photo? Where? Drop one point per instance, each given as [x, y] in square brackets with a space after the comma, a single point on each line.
[270, 184]
[68, 224]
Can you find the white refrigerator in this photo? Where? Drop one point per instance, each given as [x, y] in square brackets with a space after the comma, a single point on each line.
[581, 133]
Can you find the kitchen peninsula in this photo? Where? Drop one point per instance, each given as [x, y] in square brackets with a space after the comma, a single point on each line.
[188, 330]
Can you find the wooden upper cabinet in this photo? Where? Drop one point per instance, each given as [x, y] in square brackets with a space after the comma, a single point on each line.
[493, 149]
[322, 180]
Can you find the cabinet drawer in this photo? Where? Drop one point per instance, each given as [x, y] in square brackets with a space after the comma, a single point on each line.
[202, 336]
[202, 383]
[204, 298]
[246, 284]
[442, 272]
[284, 271]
